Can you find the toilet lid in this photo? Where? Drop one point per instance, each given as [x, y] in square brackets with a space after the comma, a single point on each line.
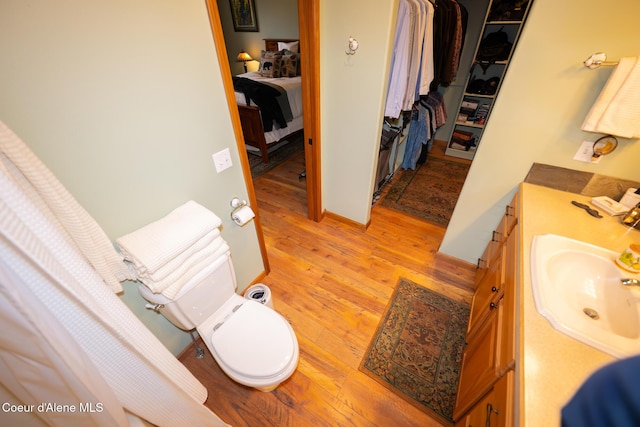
[255, 341]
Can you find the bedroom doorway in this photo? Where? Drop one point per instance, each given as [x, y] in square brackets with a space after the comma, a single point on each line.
[309, 34]
[308, 29]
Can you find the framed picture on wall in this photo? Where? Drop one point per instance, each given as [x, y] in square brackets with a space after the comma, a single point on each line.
[243, 14]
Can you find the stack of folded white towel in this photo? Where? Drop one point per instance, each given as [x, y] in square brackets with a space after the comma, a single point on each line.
[175, 251]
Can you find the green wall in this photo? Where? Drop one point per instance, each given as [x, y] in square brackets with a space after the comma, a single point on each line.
[543, 101]
[124, 101]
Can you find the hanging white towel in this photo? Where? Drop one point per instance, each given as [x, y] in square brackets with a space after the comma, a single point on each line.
[154, 245]
[617, 109]
[68, 340]
[27, 171]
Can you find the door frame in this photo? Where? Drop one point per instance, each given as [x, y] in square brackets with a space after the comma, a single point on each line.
[309, 34]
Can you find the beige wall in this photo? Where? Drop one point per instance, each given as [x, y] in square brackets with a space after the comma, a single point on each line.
[124, 101]
[543, 101]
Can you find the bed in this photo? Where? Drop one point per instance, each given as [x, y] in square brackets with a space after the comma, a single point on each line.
[256, 139]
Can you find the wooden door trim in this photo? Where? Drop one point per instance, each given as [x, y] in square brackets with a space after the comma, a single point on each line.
[225, 70]
[308, 23]
[309, 33]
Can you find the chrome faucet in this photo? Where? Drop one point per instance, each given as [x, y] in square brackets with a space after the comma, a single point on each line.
[630, 282]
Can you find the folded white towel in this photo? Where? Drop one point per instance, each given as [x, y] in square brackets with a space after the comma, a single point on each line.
[617, 109]
[199, 272]
[188, 268]
[207, 244]
[157, 243]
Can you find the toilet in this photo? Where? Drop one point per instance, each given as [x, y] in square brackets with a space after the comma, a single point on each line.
[252, 343]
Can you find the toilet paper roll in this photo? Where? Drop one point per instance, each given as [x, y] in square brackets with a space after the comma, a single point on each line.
[243, 215]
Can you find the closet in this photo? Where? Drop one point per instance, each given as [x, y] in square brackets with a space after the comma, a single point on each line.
[428, 40]
[429, 78]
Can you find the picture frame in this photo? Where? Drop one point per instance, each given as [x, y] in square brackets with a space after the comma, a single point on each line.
[243, 15]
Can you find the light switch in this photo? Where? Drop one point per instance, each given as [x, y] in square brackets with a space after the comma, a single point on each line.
[222, 160]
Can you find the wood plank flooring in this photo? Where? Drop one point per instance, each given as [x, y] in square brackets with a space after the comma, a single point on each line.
[332, 282]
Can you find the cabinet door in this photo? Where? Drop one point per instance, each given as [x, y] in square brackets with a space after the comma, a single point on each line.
[495, 409]
[502, 409]
[507, 338]
[479, 363]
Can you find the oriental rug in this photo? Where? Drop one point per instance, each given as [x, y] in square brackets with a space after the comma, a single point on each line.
[430, 191]
[417, 350]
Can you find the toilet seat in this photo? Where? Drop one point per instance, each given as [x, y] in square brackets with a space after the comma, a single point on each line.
[254, 344]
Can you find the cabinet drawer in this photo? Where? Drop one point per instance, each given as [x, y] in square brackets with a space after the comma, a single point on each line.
[491, 252]
[512, 214]
[488, 291]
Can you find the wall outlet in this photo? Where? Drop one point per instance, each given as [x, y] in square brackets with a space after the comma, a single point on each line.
[585, 153]
[222, 160]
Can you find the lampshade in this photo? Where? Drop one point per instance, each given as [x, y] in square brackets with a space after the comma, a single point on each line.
[243, 57]
[617, 109]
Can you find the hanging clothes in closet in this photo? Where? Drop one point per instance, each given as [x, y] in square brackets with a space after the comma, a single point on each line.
[427, 116]
[427, 45]
[450, 27]
[411, 69]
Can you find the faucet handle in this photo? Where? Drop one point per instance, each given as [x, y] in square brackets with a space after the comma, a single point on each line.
[630, 282]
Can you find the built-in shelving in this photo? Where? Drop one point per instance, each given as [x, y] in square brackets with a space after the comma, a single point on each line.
[477, 100]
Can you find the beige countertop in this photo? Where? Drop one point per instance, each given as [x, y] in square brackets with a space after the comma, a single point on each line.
[553, 365]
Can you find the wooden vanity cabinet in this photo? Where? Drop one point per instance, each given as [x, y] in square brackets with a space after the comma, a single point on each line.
[495, 409]
[490, 352]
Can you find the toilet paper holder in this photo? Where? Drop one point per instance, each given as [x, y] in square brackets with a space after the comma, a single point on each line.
[237, 203]
[242, 212]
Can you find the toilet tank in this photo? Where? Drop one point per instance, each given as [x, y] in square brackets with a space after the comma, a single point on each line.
[198, 302]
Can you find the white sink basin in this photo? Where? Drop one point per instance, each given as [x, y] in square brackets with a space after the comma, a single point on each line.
[577, 288]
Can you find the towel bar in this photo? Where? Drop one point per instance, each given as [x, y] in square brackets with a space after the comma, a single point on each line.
[597, 60]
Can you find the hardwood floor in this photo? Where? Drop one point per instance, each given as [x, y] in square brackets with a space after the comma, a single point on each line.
[332, 281]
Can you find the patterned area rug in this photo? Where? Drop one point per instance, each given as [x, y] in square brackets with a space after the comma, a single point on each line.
[417, 349]
[430, 192]
[277, 156]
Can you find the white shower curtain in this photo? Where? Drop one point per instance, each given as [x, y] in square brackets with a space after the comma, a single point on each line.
[68, 340]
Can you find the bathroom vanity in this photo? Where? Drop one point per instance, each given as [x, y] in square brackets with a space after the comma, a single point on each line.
[527, 383]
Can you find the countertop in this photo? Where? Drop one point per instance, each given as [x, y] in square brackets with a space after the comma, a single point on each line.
[553, 365]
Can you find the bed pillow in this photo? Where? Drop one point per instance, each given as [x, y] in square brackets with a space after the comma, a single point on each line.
[292, 46]
[270, 63]
[290, 64]
[288, 52]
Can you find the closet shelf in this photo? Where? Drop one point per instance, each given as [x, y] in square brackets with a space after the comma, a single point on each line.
[470, 125]
[503, 23]
[466, 133]
[479, 95]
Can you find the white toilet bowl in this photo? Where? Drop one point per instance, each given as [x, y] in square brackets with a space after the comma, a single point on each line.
[252, 343]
